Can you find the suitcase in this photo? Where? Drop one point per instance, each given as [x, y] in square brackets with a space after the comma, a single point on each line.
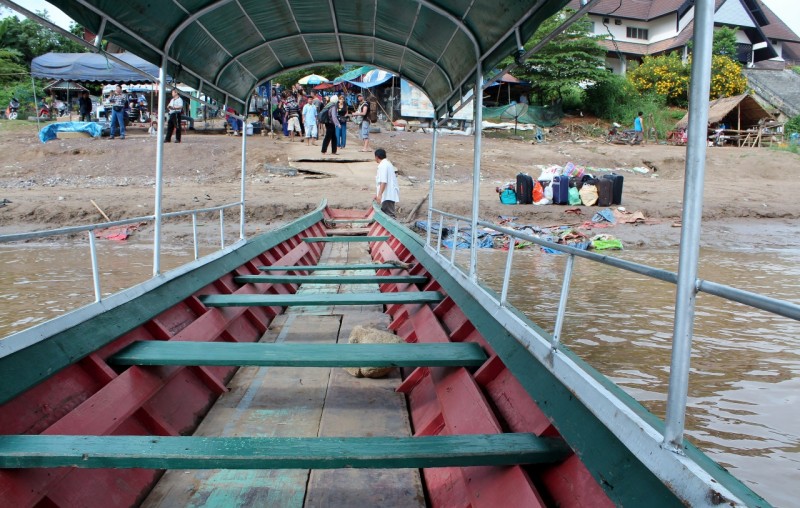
[605, 191]
[524, 189]
[560, 190]
[616, 195]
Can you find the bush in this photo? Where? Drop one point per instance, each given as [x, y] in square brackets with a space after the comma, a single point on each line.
[607, 97]
[573, 99]
[24, 94]
[665, 75]
[727, 79]
[792, 125]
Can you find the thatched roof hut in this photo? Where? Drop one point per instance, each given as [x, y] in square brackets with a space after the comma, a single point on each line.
[738, 112]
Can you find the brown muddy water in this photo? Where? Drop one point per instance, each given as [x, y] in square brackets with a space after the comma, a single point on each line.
[745, 381]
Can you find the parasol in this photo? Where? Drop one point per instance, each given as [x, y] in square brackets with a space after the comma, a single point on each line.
[312, 79]
[514, 110]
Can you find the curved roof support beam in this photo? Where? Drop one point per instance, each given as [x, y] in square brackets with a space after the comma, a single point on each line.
[150, 46]
[336, 31]
[297, 27]
[193, 18]
[235, 59]
[410, 33]
[456, 21]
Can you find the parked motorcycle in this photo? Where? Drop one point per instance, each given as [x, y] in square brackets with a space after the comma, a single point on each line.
[620, 137]
[13, 108]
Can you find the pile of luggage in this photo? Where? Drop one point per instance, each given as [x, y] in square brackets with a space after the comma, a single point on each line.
[571, 187]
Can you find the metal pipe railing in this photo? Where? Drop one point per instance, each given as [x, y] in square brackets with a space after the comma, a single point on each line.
[757, 301]
[91, 228]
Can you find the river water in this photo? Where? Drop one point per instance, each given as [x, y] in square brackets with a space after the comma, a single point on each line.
[745, 379]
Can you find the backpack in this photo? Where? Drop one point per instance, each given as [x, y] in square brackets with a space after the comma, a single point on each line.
[508, 197]
[325, 115]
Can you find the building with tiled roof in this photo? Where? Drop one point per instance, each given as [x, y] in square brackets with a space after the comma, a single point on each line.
[635, 28]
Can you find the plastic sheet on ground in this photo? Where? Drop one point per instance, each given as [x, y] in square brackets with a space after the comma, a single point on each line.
[49, 132]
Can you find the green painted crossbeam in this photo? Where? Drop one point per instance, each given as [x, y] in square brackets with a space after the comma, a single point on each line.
[194, 452]
[331, 279]
[340, 239]
[452, 354]
[313, 268]
[320, 299]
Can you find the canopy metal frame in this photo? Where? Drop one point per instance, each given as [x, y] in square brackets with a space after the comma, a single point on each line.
[673, 435]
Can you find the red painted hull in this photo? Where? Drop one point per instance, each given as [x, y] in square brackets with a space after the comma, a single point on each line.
[91, 397]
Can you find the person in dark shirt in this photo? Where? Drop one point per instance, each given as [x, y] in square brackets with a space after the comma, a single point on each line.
[85, 107]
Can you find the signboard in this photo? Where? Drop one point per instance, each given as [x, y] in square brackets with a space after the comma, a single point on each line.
[414, 103]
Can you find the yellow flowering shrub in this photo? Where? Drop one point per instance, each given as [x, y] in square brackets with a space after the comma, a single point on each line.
[668, 76]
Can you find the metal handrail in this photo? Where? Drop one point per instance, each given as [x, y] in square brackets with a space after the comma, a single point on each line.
[90, 228]
[755, 300]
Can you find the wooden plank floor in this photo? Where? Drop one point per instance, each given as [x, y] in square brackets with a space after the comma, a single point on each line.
[307, 402]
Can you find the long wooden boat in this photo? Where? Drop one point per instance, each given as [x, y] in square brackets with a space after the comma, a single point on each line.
[221, 383]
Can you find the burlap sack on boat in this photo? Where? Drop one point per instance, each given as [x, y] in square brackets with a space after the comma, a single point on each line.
[366, 335]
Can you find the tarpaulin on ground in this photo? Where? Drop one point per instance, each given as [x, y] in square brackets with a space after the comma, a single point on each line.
[93, 67]
[49, 132]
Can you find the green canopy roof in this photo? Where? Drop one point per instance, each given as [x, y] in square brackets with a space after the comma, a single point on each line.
[226, 47]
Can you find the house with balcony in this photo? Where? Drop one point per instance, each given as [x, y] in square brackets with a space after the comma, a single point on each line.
[635, 28]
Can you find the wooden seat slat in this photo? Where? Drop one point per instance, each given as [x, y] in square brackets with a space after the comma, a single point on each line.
[194, 452]
[452, 354]
[251, 300]
[331, 279]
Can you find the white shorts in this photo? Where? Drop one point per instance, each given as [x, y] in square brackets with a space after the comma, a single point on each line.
[294, 124]
[311, 130]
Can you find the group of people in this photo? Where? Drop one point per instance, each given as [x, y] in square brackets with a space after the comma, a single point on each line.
[311, 115]
[118, 101]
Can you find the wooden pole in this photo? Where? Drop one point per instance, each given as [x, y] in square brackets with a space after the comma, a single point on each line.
[100, 210]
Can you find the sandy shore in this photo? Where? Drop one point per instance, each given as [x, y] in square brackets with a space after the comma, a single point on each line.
[750, 193]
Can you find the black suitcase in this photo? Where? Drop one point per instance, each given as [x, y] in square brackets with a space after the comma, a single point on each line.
[605, 191]
[560, 190]
[524, 189]
[616, 194]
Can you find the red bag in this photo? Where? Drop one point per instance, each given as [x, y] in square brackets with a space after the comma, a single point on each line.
[538, 192]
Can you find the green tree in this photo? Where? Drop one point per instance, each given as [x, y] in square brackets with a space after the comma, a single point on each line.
[31, 39]
[288, 79]
[725, 43]
[572, 58]
[11, 68]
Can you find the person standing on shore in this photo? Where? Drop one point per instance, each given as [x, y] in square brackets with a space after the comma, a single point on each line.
[85, 107]
[638, 129]
[174, 109]
[118, 101]
[362, 120]
[341, 130]
[310, 121]
[387, 191]
[331, 123]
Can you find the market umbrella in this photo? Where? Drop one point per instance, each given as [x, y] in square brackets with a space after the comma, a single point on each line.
[312, 79]
[514, 110]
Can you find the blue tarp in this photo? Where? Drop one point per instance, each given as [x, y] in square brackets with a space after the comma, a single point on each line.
[50, 131]
[92, 67]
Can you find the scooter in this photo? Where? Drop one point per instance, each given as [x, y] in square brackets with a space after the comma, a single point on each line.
[624, 137]
[13, 108]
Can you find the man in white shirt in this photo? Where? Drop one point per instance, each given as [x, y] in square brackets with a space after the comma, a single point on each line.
[174, 109]
[387, 190]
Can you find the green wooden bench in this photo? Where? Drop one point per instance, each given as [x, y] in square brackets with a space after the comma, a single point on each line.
[249, 300]
[333, 279]
[313, 268]
[345, 238]
[192, 452]
[156, 352]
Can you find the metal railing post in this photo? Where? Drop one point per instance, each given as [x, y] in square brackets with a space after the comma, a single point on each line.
[562, 301]
[455, 245]
[222, 228]
[95, 269]
[477, 97]
[700, 86]
[194, 236]
[439, 239]
[162, 107]
[507, 274]
[432, 184]
[244, 174]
